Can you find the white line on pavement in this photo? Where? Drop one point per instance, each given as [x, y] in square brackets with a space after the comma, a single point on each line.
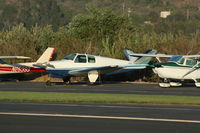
[100, 117]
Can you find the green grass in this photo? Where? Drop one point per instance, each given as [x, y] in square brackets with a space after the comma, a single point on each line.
[97, 98]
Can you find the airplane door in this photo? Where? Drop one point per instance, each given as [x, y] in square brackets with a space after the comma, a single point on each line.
[81, 61]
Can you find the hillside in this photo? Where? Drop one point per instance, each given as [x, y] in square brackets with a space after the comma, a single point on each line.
[60, 12]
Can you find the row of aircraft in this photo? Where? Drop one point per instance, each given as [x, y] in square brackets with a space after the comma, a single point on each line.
[177, 69]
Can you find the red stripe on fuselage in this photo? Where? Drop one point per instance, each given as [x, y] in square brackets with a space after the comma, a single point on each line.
[21, 69]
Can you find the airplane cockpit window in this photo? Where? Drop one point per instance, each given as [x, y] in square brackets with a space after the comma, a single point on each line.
[91, 59]
[175, 58]
[191, 62]
[69, 57]
[181, 61]
[81, 59]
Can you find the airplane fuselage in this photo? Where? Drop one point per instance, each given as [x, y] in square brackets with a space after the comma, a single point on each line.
[19, 68]
[69, 67]
[175, 71]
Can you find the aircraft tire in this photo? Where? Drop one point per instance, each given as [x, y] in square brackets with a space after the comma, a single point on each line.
[164, 85]
[197, 84]
[66, 80]
[48, 83]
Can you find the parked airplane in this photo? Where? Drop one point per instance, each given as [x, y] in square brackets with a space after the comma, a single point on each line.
[177, 68]
[92, 66]
[6, 68]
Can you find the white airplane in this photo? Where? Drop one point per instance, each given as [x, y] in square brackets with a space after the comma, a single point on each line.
[177, 68]
[8, 69]
[92, 66]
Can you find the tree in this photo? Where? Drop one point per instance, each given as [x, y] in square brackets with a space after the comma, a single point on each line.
[101, 23]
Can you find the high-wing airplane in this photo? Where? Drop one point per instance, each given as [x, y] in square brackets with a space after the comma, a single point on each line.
[178, 68]
[6, 68]
[92, 66]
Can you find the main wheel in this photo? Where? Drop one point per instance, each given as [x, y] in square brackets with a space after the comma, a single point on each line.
[66, 80]
[164, 85]
[48, 83]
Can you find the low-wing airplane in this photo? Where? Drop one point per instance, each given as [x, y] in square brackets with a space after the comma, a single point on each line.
[92, 66]
[7, 69]
[177, 68]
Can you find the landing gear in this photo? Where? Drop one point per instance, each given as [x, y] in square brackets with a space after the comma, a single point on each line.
[164, 84]
[175, 84]
[48, 83]
[92, 77]
[197, 83]
[168, 83]
[66, 80]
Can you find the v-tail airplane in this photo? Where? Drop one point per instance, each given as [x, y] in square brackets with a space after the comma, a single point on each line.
[93, 66]
[8, 69]
[177, 69]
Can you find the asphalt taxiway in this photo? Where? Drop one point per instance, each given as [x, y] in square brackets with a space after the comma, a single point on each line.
[90, 118]
[114, 88]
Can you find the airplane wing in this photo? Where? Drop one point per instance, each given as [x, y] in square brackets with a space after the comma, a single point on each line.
[191, 56]
[14, 57]
[164, 55]
[151, 55]
[102, 70]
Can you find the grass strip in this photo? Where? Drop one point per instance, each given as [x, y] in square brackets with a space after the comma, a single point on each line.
[96, 98]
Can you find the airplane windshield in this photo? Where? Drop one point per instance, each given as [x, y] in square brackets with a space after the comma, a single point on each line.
[69, 57]
[175, 59]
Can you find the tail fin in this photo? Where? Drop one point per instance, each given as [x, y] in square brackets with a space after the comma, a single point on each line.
[127, 54]
[46, 56]
[145, 60]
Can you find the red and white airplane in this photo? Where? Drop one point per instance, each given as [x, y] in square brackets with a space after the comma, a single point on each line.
[6, 69]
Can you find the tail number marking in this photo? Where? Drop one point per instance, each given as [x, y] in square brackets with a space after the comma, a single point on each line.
[21, 69]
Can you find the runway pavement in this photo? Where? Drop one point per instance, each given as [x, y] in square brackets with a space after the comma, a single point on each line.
[115, 88]
[98, 118]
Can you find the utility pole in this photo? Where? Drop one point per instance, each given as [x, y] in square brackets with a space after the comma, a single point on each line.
[188, 14]
[129, 12]
[123, 6]
[187, 11]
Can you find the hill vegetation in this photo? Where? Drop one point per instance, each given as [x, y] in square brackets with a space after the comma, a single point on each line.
[98, 27]
[104, 27]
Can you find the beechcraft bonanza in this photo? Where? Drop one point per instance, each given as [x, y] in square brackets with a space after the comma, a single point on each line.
[177, 68]
[92, 66]
[10, 69]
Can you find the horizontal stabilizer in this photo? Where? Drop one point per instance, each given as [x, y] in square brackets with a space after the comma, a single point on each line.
[127, 53]
[145, 59]
[15, 57]
[151, 55]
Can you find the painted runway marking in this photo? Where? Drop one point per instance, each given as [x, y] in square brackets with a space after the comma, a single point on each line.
[112, 106]
[100, 117]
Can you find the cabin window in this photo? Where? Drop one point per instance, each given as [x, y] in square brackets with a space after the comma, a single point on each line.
[191, 62]
[81, 59]
[69, 57]
[181, 61]
[91, 59]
